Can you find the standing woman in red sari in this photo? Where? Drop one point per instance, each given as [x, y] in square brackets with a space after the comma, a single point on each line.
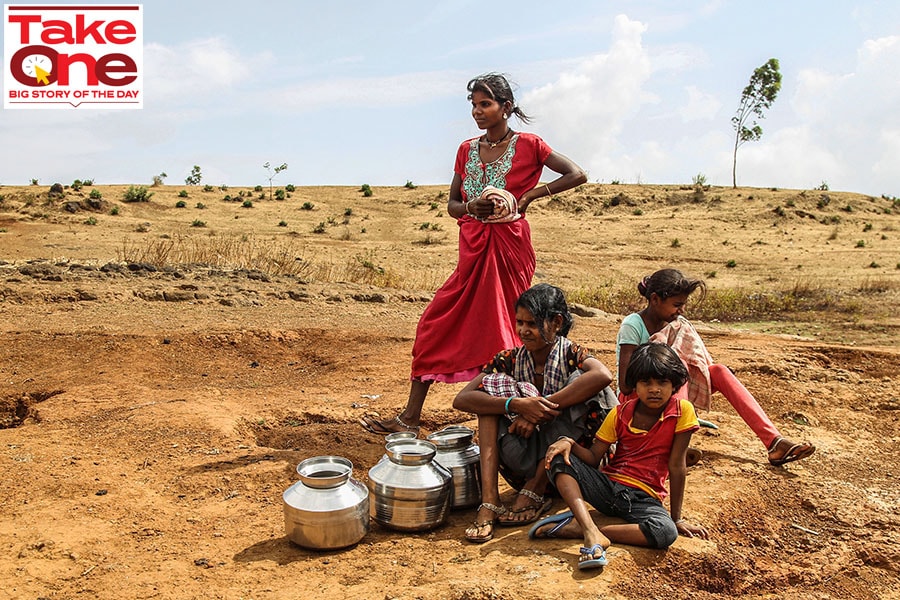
[472, 315]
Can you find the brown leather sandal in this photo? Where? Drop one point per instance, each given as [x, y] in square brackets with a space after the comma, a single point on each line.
[472, 532]
[539, 505]
[373, 425]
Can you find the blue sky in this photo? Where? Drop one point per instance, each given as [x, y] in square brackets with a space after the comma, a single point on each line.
[351, 92]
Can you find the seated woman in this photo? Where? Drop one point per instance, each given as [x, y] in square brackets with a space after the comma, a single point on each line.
[525, 399]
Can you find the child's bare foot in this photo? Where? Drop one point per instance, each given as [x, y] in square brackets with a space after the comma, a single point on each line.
[784, 450]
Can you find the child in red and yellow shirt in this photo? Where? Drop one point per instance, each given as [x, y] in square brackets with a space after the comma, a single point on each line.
[651, 434]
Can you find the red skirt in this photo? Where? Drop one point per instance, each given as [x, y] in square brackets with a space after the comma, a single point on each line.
[472, 316]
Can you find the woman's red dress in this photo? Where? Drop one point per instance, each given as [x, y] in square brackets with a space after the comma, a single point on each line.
[472, 315]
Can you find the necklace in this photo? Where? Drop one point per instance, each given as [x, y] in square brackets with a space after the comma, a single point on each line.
[498, 142]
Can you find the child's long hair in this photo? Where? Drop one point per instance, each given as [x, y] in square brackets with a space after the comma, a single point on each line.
[654, 360]
[544, 302]
[666, 283]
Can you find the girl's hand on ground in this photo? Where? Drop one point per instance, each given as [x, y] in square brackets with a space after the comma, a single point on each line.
[562, 447]
[689, 530]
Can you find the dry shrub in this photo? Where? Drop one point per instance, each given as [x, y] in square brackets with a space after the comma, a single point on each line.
[611, 297]
[275, 257]
[792, 301]
[878, 285]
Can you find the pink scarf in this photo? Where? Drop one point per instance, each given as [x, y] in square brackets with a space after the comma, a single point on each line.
[686, 342]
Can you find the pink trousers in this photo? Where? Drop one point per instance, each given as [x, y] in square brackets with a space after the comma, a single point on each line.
[725, 382]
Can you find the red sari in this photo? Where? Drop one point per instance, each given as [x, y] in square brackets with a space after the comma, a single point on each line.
[472, 315]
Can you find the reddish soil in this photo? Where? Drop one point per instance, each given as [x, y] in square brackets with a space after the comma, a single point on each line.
[151, 421]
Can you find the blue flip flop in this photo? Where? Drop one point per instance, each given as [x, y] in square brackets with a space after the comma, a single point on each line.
[592, 563]
[561, 520]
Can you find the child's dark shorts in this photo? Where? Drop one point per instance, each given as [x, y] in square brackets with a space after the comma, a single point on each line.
[617, 500]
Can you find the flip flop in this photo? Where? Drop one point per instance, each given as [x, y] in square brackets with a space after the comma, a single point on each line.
[560, 520]
[373, 425]
[587, 561]
[486, 537]
[796, 452]
[540, 507]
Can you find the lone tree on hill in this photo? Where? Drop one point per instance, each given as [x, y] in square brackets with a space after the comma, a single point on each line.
[273, 173]
[759, 94]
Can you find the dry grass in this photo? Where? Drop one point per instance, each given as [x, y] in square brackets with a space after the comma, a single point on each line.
[274, 257]
[784, 256]
[270, 256]
[799, 300]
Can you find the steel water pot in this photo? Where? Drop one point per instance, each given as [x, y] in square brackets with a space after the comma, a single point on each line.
[408, 490]
[400, 435]
[458, 454]
[327, 508]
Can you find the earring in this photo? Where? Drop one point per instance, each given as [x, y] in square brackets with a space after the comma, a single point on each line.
[505, 116]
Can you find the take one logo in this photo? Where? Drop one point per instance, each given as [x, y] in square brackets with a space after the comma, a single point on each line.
[73, 56]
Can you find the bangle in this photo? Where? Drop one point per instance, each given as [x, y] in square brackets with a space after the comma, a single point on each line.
[466, 206]
[547, 187]
[508, 400]
[680, 521]
[565, 437]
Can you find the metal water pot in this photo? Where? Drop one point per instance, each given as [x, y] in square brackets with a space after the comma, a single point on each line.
[400, 435]
[327, 508]
[408, 490]
[458, 454]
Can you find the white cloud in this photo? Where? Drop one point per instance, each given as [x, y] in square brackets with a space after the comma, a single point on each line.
[406, 89]
[583, 111]
[847, 123]
[885, 165]
[700, 106]
[200, 68]
[791, 157]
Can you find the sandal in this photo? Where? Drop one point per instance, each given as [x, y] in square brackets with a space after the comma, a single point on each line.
[795, 452]
[539, 506]
[558, 522]
[472, 532]
[588, 559]
[373, 425]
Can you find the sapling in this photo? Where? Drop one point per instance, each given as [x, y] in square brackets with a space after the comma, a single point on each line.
[758, 96]
[273, 172]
